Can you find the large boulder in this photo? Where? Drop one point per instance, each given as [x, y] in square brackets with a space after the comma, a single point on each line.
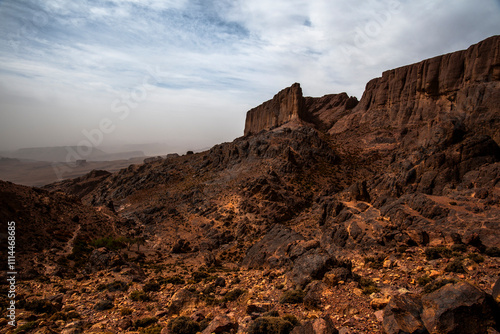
[459, 308]
[310, 266]
[221, 324]
[402, 315]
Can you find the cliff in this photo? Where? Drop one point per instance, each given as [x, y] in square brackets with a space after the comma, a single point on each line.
[289, 104]
[457, 92]
[462, 87]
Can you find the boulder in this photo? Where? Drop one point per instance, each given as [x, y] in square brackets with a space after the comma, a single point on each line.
[310, 266]
[458, 308]
[102, 258]
[179, 300]
[402, 315]
[181, 246]
[221, 324]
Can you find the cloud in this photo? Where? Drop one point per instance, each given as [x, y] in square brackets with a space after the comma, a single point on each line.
[70, 60]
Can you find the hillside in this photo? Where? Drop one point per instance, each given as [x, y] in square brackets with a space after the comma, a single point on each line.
[374, 216]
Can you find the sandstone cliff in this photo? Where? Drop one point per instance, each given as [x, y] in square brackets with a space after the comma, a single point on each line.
[289, 104]
[459, 89]
[428, 100]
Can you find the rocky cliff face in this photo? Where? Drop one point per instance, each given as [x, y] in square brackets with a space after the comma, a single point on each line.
[459, 89]
[289, 105]
[457, 92]
[286, 106]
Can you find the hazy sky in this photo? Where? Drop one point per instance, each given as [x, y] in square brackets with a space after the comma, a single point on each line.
[184, 72]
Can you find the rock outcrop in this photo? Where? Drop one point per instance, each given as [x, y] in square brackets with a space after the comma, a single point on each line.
[289, 105]
[286, 106]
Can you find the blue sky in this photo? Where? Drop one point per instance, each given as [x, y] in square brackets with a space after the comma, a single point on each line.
[184, 73]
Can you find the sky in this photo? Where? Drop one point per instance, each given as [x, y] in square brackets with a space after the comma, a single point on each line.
[183, 73]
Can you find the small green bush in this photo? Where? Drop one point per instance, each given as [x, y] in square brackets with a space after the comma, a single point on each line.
[40, 306]
[368, 286]
[139, 296]
[126, 311]
[292, 297]
[233, 295]
[103, 305]
[493, 251]
[424, 280]
[375, 262]
[459, 248]
[198, 276]
[175, 280]
[433, 253]
[152, 286]
[73, 315]
[270, 325]
[116, 286]
[476, 257]
[111, 243]
[145, 322]
[435, 285]
[156, 329]
[292, 319]
[183, 325]
[26, 327]
[456, 266]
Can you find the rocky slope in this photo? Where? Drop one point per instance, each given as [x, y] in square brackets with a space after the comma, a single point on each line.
[328, 215]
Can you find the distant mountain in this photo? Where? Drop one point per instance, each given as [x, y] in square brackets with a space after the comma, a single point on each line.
[70, 154]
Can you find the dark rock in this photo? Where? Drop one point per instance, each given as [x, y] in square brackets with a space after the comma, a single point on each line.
[181, 246]
[102, 258]
[402, 315]
[220, 281]
[312, 299]
[221, 324]
[275, 243]
[312, 265]
[359, 192]
[102, 305]
[458, 308]
[334, 276]
[318, 326]
[255, 310]
[124, 323]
